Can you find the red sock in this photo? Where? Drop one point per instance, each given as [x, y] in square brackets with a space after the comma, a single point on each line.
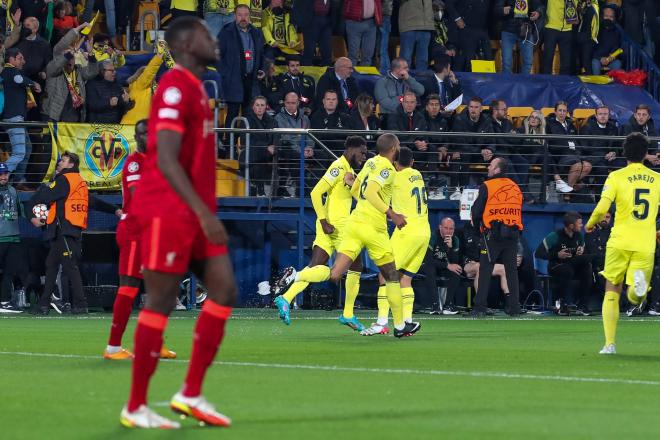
[148, 342]
[121, 311]
[208, 335]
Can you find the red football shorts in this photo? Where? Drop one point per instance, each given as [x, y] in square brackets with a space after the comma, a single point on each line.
[169, 244]
[130, 261]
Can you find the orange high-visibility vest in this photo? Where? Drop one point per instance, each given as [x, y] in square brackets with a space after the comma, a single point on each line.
[504, 203]
[76, 203]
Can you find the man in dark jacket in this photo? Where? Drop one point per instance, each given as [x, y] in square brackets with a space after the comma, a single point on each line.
[241, 62]
[443, 260]
[408, 118]
[36, 50]
[595, 245]
[472, 150]
[603, 154]
[107, 101]
[68, 202]
[314, 19]
[442, 83]
[16, 86]
[609, 41]
[518, 26]
[340, 80]
[328, 117]
[471, 18]
[565, 251]
[642, 122]
[294, 80]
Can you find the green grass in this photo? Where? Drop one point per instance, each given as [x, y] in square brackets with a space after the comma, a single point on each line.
[458, 378]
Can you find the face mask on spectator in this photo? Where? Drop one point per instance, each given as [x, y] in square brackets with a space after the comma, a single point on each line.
[25, 32]
[608, 24]
[278, 11]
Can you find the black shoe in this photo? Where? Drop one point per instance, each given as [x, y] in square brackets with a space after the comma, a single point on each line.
[9, 308]
[583, 311]
[40, 311]
[66, 308]
[479, 312]
[57, 305]
[285, 280]
[408, 330]
[79, 311]
[563, 310]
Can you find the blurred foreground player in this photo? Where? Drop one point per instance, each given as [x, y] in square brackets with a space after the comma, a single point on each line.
[130, 263]
[630, 250]
[175, 207]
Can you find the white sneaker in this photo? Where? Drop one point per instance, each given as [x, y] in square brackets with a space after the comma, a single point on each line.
[456, 195]
[200, 409]
[562, 186]
[179, 305]
[608, 349]
[144, 417]
[640, 285]
[375, 329]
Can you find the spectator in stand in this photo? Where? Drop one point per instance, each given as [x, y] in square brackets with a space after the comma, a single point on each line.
[415, 28]
[10, 240]
[182, 8]
[384, 36]
[519, 26]
[263, 174]
[110, 16]
[435, 121]
[103, 49]
[36, 50]
[31, 8]
[327, 117]
[313, 19]
[66, 82]
[141, 86]
[510, 148]
[642, 122]
[16, 86]
[603, 155]
[444, 35]
[472, 120]
[471, 18]
[566, 155]
[443, 83]
[340, 80]
[408, 118]
[443, 260]
[558, 31]
[107, 101]
[362, 20]
[293, 80]
[389, 89]
[64, 20]
[564, 250]
[217, 14]
[586, 34]
[269, 87]
[640, 22]
[363, 118]
[609, 42]
[279, 33]
[241, 62]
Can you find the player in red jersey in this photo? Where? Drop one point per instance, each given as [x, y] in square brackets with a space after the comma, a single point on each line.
[130, 270]
[175, 206]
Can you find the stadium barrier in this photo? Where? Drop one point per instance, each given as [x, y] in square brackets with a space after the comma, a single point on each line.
[637, 58]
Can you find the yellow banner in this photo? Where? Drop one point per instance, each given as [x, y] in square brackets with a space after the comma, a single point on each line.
[102, 149]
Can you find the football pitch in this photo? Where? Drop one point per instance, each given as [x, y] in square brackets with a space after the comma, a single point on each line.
[527, 378]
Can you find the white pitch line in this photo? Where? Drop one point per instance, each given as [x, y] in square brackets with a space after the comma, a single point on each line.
[402, 371]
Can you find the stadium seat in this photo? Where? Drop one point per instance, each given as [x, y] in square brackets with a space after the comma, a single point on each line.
[547, 110]
[580, 116]
[518, 114]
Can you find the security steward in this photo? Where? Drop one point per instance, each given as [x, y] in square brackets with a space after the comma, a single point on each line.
[68, 201]
[498, 212]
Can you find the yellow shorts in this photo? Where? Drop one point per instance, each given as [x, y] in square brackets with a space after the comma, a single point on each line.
[409, 250]
[620, 264]
[329, 243]
[357, 236]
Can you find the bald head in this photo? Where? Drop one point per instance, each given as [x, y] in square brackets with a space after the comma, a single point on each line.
[31, 23]
[343, 67]
[447, 227]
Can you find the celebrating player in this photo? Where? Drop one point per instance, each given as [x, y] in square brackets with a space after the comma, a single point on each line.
[367, 227]
[408, 243]
[130, 263]
[630, 249]
[332, 216]
[175, 206]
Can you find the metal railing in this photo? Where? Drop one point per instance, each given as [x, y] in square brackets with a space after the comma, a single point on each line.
[637, 58]
[144, 15]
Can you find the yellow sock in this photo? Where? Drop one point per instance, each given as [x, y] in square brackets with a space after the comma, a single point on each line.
[633, 298]
[294, 290]
[610, 316]
[383, 306]
[352, 290]
[393, 289]
[408, 299]
[316, 274]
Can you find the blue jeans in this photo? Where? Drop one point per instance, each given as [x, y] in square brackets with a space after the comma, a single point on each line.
[596, 67]
[109, 15]
[384, 31]
[419, 42]
[217, 21]
[21, 149]
[361, 35]
[509, 40]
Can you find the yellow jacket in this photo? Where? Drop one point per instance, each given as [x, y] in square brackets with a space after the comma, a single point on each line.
[223, 6]
[184, 5]
[140, 92]
[290, 37]
[555, 14]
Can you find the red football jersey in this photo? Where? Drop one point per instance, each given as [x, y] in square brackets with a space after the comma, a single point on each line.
[180, 104]
[130, 176]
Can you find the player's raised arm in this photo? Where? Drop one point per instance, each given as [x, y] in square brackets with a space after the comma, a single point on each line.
[607, 197]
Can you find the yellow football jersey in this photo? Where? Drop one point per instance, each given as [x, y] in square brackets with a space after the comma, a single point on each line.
[409, 197]
[635, 190]
[380, 170]
[338, 200]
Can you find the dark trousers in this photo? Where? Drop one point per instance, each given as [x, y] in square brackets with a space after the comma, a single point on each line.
[10, 261]
[504, 252]
[469, 42]
[466, 177]
[585, 50]
[64, 251]
[427, 297]
[577, 268]
[520, 166]
[319, 33]
[552, 38]
[234, 108]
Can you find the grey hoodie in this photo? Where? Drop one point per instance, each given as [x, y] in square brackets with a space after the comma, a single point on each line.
[10, 210]
[293, 141]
